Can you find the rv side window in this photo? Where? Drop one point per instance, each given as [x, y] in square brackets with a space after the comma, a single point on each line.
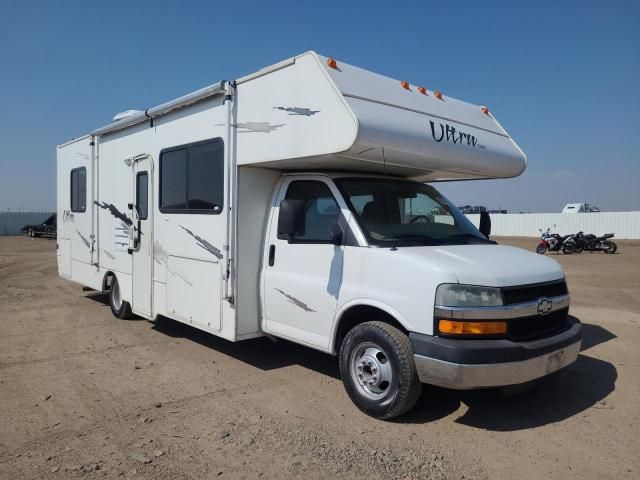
[79, 189]
[142, 195]
[322, 210]
[192, 178]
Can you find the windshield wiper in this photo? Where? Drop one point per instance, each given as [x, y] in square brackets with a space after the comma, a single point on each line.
[414, 237]
[470, 238]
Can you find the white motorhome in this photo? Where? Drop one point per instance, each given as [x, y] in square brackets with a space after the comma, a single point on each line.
[292, 203]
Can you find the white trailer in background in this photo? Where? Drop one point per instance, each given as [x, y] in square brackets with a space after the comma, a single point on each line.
[286, 203]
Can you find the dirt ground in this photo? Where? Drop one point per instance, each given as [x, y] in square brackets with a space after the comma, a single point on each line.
[84, 395]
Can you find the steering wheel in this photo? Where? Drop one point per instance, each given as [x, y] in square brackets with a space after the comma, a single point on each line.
[415, 219]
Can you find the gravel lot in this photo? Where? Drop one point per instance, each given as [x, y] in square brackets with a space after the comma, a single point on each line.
[84, 395]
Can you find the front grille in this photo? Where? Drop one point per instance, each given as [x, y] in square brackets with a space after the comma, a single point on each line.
[531, 293]
[530, 328]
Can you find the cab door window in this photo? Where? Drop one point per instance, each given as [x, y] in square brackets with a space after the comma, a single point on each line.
[322, 210]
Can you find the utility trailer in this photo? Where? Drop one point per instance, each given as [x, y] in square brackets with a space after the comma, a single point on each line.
[291, 202]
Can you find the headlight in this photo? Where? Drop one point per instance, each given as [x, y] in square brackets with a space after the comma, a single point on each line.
[456, 295]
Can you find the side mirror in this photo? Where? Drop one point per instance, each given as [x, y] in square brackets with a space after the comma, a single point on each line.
[291, 220]
[485, 224]
[336, 234]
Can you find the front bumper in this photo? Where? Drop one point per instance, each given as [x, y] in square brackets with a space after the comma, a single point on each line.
[467, 364]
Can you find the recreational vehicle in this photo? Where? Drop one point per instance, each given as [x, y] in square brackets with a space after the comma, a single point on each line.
[298, 202]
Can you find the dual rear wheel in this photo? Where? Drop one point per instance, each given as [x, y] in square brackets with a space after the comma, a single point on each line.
[119, 307]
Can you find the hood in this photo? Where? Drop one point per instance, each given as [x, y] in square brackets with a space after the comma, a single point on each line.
[488, 265]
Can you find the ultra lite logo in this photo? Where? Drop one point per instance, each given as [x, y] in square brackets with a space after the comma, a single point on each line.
[450, 134]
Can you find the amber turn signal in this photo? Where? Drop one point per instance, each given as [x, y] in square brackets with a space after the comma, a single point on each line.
[452, 327]
[332, 63]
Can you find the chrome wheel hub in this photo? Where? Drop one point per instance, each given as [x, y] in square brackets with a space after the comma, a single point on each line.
[117, 300]
[371, 370]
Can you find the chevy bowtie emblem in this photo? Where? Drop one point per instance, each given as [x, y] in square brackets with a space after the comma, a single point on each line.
[544, 305]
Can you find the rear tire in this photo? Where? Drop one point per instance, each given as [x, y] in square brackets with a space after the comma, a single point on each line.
[612, 247]
[542, 249]
[378, 370]
[119, 307]
[31, 232]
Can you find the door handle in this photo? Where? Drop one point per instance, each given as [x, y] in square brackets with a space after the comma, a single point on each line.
[272, 255]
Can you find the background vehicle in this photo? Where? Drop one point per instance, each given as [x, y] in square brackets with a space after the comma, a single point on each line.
[292, 203]
[593, 243]
[44, 229]
[552, 242]
[580, 208]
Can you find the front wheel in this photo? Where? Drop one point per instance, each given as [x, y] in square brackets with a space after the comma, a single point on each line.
[119, 307]
[378, 371]
[542, 248]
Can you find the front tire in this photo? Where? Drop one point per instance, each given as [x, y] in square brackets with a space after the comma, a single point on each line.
[119, 307]
[378, 371]
[542, 249]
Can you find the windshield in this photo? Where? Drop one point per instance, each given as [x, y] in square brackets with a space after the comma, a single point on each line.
[404, 213]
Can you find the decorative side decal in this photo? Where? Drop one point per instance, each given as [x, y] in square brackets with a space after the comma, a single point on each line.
[254, 127]
[109, 254]
[295, 301]
[202, 243]
[298, 111]
[160, 256]
[113, 210]
[84, 240]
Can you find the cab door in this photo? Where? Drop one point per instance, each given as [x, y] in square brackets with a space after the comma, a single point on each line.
[141, 241]
[303, 274]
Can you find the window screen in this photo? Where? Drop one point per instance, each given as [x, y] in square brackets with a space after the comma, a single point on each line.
[192, 178]
[142, 195]
[79, 189]
[322, 210]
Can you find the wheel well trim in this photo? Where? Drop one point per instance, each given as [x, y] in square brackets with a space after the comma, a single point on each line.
[363, 302]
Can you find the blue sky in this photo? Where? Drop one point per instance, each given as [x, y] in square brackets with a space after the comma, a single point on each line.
[562, 77]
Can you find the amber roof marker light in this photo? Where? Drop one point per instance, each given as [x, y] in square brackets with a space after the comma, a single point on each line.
[405, 85]
[438, 95]
[332, 63]
[423, 90]
[485, 110]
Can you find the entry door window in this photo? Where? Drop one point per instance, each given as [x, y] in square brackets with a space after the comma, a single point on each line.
[322, 210]
[142, 195]
[79, 189]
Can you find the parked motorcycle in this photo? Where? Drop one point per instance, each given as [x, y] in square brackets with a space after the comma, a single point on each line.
[592, 243]
[553, 242]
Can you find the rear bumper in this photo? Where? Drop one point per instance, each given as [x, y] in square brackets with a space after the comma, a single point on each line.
[469, 364]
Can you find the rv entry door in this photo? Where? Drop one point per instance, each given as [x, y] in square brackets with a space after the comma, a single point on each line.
[141, 241]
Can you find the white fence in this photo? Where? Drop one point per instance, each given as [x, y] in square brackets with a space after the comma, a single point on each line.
[622, 224]
[12, 222]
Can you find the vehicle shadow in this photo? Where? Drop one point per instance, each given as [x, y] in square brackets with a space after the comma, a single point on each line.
[261, 353]
[565, 394]
[103, 298]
